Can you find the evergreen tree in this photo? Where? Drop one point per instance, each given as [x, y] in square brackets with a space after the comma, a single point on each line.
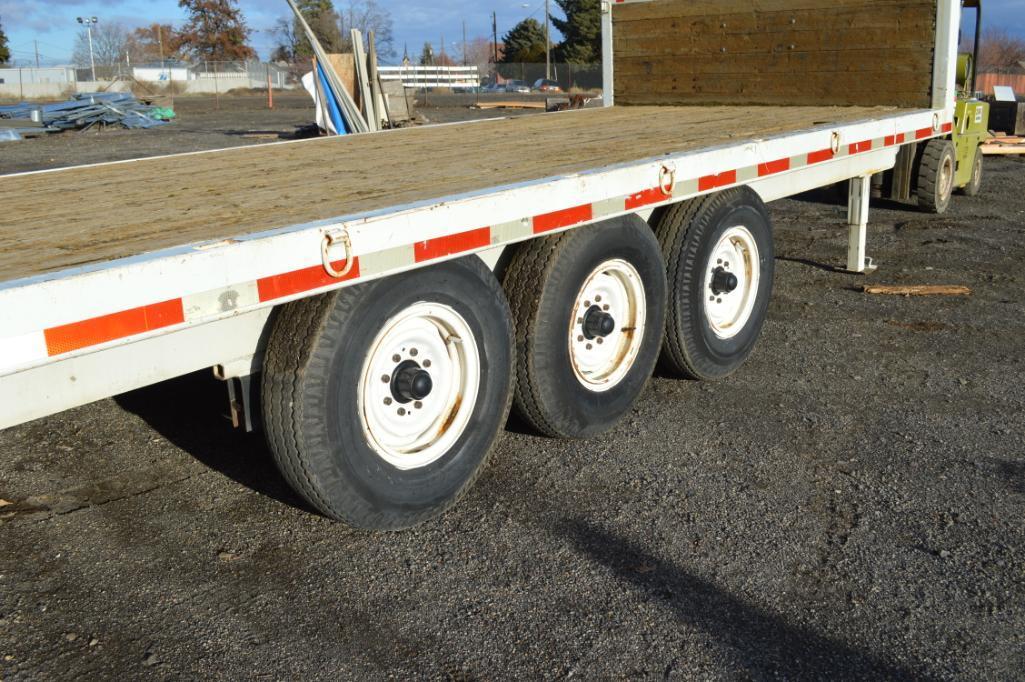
[525, 43]
[581, 31]
[215, 31]
[5, 50]
[324, 20]
[427, 55]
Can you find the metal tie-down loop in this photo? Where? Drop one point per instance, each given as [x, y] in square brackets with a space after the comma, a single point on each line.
[331, 239]
[664, 173]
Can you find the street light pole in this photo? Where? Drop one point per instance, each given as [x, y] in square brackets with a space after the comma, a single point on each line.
[89, 22]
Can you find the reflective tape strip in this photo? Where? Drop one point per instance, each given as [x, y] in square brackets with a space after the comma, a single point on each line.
[100, 330]
[24, 349]
[219, 301]
[301, 281]
[433, 249]
[567, 217]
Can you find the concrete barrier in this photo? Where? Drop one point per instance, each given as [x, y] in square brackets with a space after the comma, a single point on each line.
[58, 91]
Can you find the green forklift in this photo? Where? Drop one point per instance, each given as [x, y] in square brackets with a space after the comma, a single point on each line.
[931, 171]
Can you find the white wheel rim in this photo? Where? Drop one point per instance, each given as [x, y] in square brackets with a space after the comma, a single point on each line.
[614, 288]
[947, 176]
[413, 434]
[728, 312]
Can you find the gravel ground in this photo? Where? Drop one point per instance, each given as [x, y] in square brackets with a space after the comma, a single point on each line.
[849, 506]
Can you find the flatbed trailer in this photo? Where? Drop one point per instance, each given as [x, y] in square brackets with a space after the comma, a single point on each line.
[277, 260]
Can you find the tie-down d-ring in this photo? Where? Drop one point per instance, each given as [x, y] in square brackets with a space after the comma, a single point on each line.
[667, 180]
[332, 239]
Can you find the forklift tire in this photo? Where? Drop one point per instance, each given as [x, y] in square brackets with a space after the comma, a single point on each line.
[382, 401]
[719, 256]
[936, 171]
[589, 306]
[974, 185]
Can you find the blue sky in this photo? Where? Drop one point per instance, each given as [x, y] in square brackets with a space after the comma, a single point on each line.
[52, 22]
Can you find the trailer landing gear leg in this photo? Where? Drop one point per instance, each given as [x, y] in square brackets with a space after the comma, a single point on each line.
[857, 219]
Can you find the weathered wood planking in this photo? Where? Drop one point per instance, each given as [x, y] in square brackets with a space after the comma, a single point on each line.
[788, 52]
[58, 220]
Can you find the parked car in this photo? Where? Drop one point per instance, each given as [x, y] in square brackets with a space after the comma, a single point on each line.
[494, 87]
[517, 87]
[544, 85]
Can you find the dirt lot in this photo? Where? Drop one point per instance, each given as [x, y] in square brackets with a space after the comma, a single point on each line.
[849, 506]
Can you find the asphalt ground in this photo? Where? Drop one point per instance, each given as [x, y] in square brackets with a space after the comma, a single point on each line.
[848, 506]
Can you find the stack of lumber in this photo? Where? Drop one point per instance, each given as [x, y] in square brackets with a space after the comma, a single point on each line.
[1004, 144]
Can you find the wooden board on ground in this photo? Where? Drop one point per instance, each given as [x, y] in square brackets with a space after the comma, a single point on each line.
[916, 290]
[508, 105]
[844, 52]
[57, 220]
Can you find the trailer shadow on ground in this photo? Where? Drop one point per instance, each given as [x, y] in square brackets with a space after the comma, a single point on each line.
[191, 412]
[762, 643]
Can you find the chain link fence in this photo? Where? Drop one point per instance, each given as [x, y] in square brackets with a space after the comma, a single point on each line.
[570, 77]
[214, 78]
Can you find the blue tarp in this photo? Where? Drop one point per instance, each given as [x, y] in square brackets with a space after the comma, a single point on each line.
[333, 109]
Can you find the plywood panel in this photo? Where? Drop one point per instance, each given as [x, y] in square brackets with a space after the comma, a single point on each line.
[788, 52]
[78, 216]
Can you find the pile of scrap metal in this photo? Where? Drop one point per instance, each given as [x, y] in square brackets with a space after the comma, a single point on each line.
[81, 113]
[362, 107]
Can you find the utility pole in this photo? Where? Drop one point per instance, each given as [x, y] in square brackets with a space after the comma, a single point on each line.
[548, 42]
[464, 42]
[37, 52]
[494, 30]
[160, 40]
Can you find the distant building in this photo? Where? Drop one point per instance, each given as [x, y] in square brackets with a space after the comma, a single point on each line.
[162, 72]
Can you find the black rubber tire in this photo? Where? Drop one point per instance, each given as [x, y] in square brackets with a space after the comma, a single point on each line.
[543, 281]
[688, 233]
[313, 360]
[974, 185]
[933, 196]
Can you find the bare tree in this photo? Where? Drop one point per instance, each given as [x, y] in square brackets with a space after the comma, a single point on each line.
[1001, 51]
[288, 41]
[110, 45]
[480, 53]
[367, 15]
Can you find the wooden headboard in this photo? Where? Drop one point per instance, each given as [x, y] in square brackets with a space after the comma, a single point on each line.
[785, 52]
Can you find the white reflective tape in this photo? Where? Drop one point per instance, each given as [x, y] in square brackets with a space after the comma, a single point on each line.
[20, 350]
[220, 301]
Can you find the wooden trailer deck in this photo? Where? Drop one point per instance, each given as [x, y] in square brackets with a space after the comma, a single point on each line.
[57, 220]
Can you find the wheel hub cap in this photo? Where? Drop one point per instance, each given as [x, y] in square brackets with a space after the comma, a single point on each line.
[731, 282]
[410, 382]
[598, 324]
[419, 385]
[607, 325]
[724, 282]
